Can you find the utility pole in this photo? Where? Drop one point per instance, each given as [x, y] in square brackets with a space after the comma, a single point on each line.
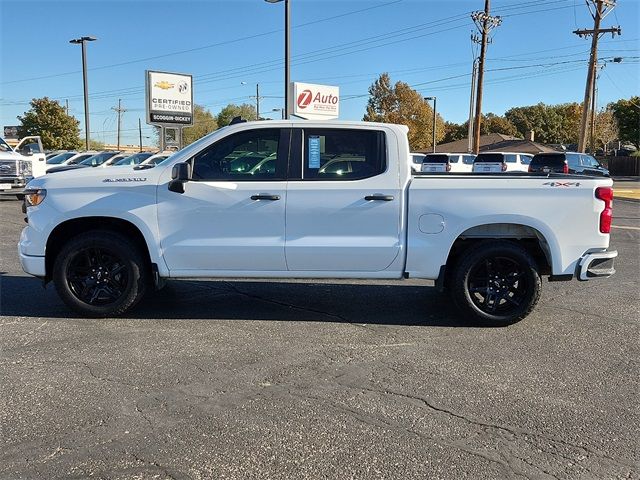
[433, 129]
[120, 111]
[140, 132]
[485, 23]
[599, 9]
[472, 101]
[66, 103]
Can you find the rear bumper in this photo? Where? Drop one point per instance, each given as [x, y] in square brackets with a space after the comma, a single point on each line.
[596, 265]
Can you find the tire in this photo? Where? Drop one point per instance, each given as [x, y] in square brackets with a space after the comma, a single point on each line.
[100, 274]
[496, 283]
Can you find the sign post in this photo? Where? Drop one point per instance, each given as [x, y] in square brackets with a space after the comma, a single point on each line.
[169, 102]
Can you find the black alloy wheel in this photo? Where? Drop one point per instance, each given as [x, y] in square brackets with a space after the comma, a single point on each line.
[97, 276]
[100, 273]
[497, 286]
[495, 283]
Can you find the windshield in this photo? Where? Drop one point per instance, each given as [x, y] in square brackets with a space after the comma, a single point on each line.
[157, 160]
[134, 159]
[58, 159]
[4, 147]
[98, 159]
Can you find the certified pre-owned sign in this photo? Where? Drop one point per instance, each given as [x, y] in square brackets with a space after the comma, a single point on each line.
[316, 102]
[169, 98]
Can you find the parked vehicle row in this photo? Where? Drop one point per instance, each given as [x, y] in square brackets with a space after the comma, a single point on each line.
[499, 162]
[74, 160]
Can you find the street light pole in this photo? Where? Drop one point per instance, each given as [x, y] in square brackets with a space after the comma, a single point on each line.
[287, 53]
[435, 100]
[82, 41]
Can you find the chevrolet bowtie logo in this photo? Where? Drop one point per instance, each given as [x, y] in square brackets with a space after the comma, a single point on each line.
[164, 85]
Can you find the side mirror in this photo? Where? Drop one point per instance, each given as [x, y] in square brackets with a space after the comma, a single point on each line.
[180, 174]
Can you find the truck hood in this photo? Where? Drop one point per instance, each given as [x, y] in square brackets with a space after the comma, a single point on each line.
[12, 156]
[93, 177]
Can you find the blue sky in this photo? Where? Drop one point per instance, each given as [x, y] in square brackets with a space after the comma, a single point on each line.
[534, 56]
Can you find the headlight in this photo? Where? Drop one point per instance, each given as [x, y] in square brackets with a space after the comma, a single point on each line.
[25, 168]
[34, 196]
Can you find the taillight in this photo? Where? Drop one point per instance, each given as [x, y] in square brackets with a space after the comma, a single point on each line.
[606, 195]
[565, 168]
[448, 167]
[530, 169]
[504, 167]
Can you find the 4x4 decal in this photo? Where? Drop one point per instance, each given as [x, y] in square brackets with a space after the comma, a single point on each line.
[561, 184]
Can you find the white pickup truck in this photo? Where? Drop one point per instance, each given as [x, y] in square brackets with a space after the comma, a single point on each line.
[303, 199]
[19, 166]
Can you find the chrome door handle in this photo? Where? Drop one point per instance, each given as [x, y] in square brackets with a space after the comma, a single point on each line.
[265, 197]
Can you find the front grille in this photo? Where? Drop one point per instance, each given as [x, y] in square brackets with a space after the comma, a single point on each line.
[8, 167]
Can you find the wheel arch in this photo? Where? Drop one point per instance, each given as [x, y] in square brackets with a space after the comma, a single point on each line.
[538, 244]
[73, 227]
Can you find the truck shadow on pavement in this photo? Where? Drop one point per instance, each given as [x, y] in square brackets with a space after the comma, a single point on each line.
[380, 303]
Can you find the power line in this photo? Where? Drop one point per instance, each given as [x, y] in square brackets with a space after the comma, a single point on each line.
[204, 47]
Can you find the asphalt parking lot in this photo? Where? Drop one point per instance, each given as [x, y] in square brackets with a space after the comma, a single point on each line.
[332, 379]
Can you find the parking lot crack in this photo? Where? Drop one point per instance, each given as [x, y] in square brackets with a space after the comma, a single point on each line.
[111, 380]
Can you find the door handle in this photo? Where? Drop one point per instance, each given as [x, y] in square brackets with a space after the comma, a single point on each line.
[265, 197]
[382, 198]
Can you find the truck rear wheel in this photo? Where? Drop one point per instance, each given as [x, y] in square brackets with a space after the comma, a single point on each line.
[496, 283]
[100, 274]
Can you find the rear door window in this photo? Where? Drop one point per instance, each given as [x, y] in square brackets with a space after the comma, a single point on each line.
[435, 158]
[548, 160]
[468, 159]
[343, 154]
[489, 158]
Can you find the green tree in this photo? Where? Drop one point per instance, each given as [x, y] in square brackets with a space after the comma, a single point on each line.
[627, 115]
[203, 122]
[246, 111]
[550, 123]
[492, 123]
[454, 131]
[48, 119]
[403, 105]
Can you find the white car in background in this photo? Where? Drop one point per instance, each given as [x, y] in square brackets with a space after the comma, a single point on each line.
[416, 161]
[496, 162]
[448, 162]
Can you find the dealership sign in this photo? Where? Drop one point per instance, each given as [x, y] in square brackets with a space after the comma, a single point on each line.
[11, 132]
[169, 99]
[315, 102]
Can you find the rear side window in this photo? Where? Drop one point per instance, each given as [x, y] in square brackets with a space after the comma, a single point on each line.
[548, 160]
[435, 158]
[511, 158]
[343, 154]
[573, 160]
[525, 159]
[454, 158]
[489, 158]
[417, 159]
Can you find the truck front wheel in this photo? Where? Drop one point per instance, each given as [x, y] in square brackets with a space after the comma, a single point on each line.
[496, 283]
[100, 274]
